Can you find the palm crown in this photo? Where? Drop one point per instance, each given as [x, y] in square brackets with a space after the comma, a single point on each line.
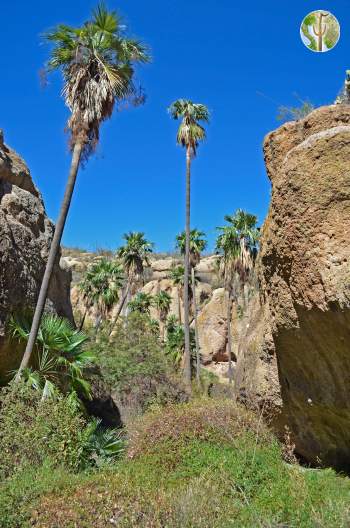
[162, 300]
[102, 284]
[97, 62]
[190, 131]
[237, 242]
[135, 253]
[197, 244]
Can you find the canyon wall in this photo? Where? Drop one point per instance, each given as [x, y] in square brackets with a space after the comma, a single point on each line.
[25, 237]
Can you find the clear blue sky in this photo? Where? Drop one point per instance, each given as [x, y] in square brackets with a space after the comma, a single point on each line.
[217, 52]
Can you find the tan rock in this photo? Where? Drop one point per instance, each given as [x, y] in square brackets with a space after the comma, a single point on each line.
[212, 328]
[25, 238]
[305, 277]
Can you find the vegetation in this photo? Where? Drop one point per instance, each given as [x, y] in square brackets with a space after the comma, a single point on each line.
[207, 463]
[141, 303]
[181, 456]
[237, 244]
[175, 342]
[189, 134]
[100, 288]
[294, 113]
[197, 245]
[59, 360]
[134, 365]
[162, 301]
[97, 64]
[177, 274]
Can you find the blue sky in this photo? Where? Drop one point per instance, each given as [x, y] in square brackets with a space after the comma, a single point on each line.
[217, 52]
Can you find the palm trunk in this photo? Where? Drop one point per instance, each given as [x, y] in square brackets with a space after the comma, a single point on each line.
[229, 337]
[162, 329]
[179, 305]
[198, 359]
[83, 320]
[187, 372]
[55, 246]
[119, 311]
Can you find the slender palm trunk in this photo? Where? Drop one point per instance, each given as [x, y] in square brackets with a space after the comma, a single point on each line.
[162, 328]
[187, 266]
[229, 336]
[55, 246]
[198, 359]
[179, 305]
[83, 320]
[119, 311]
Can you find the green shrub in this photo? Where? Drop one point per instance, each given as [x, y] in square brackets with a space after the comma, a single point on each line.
[202, 465]
[220, 422]
[32, 430]
[136, 368]
[18, 494]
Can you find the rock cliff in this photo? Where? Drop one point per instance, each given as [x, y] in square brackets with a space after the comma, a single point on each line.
[305, 278]
[25, 236]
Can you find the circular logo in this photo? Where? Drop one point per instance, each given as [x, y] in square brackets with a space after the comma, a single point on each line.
[320, 31]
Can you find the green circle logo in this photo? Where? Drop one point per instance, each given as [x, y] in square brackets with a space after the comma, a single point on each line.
[320, 31]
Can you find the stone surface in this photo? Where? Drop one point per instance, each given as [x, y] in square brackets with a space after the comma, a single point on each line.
[212, 328]
[256, 373]
[25, 236]
[305, 276]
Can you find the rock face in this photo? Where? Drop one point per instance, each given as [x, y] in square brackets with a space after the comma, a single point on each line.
[212, 328]
[305, 275]
[256, 379]
[25, 235]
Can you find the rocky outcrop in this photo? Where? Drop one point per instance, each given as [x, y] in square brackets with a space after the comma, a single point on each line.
[212, 328]
[25, 236]
[256, 375]
[305, 276]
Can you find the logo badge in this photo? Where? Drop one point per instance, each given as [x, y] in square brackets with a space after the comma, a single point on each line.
[320, 31]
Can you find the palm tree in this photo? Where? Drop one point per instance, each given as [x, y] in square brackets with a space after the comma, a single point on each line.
[190, 133]
[237, 243]
[197, 245]
[175, 342]
[60, 360]
[141, 303]
[97, 63]
[176, 275]
[162, 301]
[133, 255]
[101, 286]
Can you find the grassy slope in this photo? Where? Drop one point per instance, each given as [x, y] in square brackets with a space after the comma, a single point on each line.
[204, 464]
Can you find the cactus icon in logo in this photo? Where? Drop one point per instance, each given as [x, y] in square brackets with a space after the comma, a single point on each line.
[320, 31]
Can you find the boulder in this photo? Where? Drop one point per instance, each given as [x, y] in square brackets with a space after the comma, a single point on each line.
[305, 277]
[212, 328]
[25, 237]
[207, 269]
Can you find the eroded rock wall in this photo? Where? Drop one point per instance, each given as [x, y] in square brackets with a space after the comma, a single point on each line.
[305, 278]
[25, 236]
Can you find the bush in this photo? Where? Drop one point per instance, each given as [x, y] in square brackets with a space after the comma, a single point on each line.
[220, 422]
[19, 493]
[32, 430]
[205, 464]
[136, 368]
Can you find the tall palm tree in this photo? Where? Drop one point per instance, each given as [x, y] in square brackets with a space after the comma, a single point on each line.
[134, 254]
[162, 301]
[101, 286]
[237, 243]
[197, 244]
[189, 134]
[97, 63]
